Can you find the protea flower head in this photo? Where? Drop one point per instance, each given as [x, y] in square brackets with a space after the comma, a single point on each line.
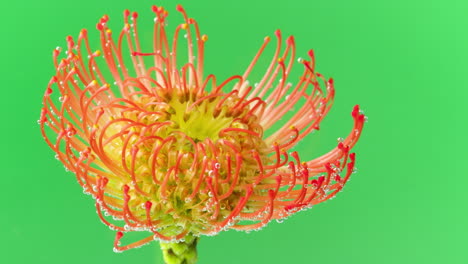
[165, 149]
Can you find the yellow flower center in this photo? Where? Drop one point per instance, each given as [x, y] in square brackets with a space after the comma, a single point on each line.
[191, 156]
[198, 119]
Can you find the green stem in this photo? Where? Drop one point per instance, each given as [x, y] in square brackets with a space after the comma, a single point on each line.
[180, 253]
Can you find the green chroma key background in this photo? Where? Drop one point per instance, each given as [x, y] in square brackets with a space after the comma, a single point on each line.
[403, 61]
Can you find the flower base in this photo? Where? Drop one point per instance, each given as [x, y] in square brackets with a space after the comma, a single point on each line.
[182, 252]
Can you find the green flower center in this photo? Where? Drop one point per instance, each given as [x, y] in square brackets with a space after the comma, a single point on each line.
[199, 120]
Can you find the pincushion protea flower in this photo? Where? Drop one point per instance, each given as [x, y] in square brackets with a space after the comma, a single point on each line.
[165, 149]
